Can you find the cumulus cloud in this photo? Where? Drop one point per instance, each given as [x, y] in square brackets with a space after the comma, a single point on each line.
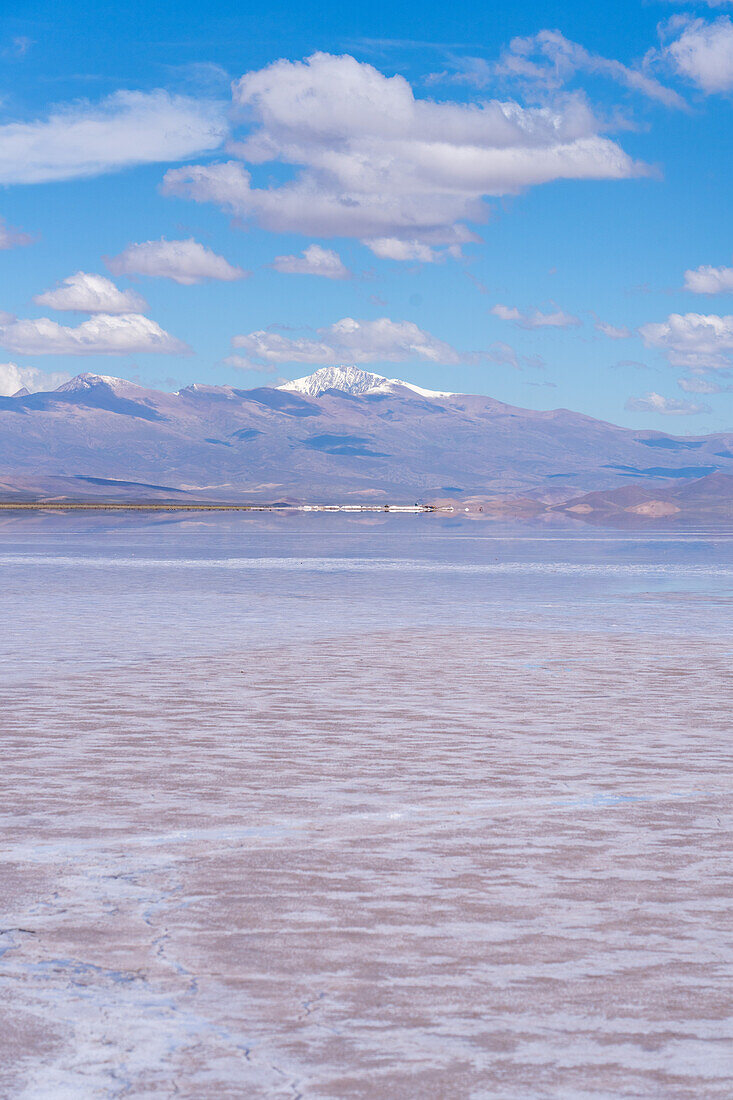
[127, 128]
[551, 60]
[535, 319]
[314, 261]
[349, 341]
[697, 340]
[703, 52]
[186, 262]
[85, 293]
[374, 162]
[103, 334]
[14, 378]
[392, 248]
[702, 385]
[12, 238]
[667, 406]
[613, 332]
[709, 280]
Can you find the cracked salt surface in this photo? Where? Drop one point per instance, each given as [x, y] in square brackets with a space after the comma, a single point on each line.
[317, 837]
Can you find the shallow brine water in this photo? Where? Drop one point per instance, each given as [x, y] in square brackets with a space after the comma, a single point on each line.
[327, 806]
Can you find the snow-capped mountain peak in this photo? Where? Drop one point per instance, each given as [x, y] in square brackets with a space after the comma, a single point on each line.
[200, 389]
[87, 381]
[351, 379]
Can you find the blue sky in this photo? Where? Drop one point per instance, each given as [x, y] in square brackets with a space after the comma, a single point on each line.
[530, 201]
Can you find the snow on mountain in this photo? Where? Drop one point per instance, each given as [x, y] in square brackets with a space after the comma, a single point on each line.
[352, 380]
[87, 381]
[199, 389]
[423, 392]
[300, 441]
[348, 379]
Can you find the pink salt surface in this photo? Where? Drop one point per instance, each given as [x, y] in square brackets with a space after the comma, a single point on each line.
[401, 865]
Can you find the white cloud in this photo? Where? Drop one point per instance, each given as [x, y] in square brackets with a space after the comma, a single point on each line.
[186, 262]
[11, 238]
[103, 334]
[667, 406]
[85, 293]
[697, 340]
[374, 162]
[14, 378]
[535, 319]
[392, 248]
[560, 59]
[702, 385]
[314, 261]
[709, 280]
[349, 341]
[703, 52]
[613, 332]
[127, 128]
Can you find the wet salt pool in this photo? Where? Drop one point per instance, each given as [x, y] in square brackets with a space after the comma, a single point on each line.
[313, 807]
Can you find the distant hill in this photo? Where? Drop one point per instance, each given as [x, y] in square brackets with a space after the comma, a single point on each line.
[708, 499]
[339, 435]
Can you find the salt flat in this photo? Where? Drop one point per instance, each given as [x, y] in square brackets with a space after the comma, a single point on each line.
[437, 859]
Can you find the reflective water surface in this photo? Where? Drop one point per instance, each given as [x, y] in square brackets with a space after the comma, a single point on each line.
[327, 806]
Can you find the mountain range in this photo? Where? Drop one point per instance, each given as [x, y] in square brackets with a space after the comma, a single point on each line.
[339, 435]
